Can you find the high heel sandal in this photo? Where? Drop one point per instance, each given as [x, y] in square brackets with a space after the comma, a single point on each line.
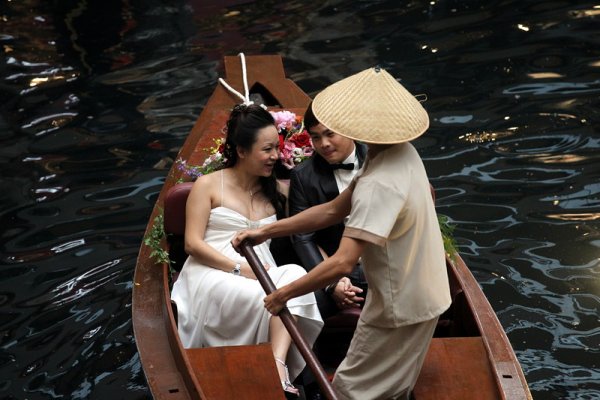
[288, 387]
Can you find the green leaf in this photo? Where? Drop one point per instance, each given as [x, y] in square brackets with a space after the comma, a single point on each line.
[154, 238]
[447, 230]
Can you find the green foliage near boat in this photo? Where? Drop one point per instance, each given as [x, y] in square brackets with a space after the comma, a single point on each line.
[447, 230]
[154, 239]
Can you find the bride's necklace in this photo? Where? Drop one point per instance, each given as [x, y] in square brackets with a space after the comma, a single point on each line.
[253, 192]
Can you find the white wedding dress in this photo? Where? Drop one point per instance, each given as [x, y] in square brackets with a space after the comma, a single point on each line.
[217, 308]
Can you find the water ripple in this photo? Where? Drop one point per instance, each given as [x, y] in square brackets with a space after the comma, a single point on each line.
[90, 121]
[77, 287]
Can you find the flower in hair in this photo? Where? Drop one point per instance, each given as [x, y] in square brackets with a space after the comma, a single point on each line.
[295, 146]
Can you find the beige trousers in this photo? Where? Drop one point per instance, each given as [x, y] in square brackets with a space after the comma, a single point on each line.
[383, 363]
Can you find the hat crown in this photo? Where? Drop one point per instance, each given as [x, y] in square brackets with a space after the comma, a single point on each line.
[371, 107]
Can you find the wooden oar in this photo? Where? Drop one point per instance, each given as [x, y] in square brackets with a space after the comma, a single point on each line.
[289, 322]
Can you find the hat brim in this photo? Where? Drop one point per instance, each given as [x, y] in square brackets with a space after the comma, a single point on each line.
[371, 107]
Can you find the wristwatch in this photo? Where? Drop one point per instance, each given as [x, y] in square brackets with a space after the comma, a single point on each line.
[236, 269]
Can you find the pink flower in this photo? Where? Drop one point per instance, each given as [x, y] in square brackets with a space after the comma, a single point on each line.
[286, 152]
[284, 119]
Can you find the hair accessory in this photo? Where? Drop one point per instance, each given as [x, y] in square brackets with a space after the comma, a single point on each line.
[371, 107]
[246, 96]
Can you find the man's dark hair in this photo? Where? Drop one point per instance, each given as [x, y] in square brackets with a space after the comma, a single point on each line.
[310, 121]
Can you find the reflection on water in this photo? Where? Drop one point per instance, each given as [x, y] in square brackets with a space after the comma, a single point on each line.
[98, 97]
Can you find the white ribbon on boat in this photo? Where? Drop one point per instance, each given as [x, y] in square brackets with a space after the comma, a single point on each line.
[246, 96]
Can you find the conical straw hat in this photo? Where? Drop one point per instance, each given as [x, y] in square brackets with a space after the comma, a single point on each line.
[371, 107]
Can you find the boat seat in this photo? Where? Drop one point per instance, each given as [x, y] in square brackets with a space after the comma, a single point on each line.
[174, 225]
[456, 369]
[174, 222]
[236, 372]
[344, 321]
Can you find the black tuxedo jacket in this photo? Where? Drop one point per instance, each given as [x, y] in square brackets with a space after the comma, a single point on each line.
[312, 183]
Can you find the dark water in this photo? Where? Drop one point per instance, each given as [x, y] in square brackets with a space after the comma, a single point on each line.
[98, 96]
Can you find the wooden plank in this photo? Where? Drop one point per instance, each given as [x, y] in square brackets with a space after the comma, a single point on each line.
[505, 366]
[237, 372]
[170, 386]
[162, 370]
[456, 369]
[179, 354]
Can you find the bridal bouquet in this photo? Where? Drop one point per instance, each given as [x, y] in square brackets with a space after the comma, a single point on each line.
[295, 145]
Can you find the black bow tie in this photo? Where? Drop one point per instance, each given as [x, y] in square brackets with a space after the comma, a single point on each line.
[349, 166]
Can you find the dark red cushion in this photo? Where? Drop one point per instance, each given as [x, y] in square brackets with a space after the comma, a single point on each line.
[345, 319]
[174, 208]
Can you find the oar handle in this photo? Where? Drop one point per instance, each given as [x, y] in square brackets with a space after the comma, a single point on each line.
[289, 322]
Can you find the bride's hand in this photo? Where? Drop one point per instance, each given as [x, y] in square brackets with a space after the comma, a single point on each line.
[246, 271]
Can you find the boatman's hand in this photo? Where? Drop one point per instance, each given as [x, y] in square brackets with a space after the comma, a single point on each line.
[274, 303]
[254, 236]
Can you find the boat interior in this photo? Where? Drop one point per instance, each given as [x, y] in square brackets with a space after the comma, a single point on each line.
[457, 339]
[470, 356]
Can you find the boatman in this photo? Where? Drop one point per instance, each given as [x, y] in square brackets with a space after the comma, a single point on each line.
[392, 225]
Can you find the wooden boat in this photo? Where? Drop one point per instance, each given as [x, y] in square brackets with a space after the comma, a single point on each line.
[469, 358]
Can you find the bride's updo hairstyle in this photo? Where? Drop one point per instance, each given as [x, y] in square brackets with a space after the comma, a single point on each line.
[242, 128]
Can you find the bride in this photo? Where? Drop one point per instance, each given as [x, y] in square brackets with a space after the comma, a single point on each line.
[219, 300]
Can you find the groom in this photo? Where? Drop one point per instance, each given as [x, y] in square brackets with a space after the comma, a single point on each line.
[318, 180]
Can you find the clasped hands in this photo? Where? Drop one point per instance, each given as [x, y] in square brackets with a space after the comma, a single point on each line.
[346, 295]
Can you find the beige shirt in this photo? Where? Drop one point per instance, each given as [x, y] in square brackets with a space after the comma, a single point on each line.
[404, 259]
